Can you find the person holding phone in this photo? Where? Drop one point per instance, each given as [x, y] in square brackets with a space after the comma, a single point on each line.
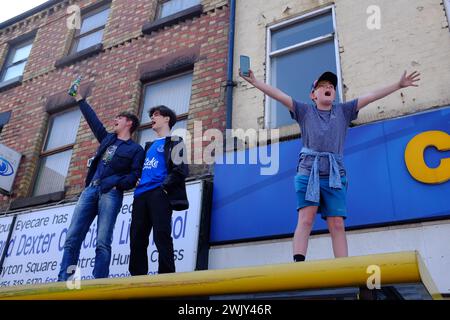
[116, 167]
[321, 182]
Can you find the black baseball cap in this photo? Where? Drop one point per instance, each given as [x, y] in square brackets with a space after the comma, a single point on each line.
[326, 76]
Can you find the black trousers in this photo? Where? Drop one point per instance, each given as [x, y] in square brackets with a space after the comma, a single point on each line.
[151, 210]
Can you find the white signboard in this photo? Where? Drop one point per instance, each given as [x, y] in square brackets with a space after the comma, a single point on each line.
[9, 162]
[37, 242]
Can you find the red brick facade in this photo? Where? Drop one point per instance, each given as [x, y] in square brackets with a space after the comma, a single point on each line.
[116, 72]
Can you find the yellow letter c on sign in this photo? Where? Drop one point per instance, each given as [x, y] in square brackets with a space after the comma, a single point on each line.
[415, 161]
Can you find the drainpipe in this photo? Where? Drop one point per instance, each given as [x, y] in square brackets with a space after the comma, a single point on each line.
[230, 83]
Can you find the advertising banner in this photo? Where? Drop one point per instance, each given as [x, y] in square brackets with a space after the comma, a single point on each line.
[36, 246]
[398, 170]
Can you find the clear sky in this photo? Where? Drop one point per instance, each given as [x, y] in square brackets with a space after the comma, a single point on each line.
[12, 8]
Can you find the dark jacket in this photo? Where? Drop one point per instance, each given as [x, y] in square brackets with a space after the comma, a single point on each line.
[177, 171]
[125, 167]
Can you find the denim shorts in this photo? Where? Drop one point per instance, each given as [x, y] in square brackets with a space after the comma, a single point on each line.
[332, 201]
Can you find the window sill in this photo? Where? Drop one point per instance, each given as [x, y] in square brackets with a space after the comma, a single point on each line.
[166, 71]
[78, 56]
[11, 83]
[175, 18]
[38, 200]
[181, 61]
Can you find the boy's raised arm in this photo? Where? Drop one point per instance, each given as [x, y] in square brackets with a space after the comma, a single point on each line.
[272, 92]
[93, 121]
[405, 81]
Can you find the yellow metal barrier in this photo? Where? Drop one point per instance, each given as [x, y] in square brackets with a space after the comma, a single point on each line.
[396, 268]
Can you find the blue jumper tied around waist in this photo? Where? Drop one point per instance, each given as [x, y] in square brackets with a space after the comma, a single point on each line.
[313, 188]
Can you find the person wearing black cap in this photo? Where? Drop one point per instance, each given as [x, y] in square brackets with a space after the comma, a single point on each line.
[321, 183]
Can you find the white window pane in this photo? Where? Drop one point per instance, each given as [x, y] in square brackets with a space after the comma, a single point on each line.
[447, 9]
[94, 21]
[146, 135]
[294, 74]
[90, 40]
[174, 93]
[178, 129]
[22, 53]
[63, 129]
[14, 71]
[306, 30]
[174, 6]
[52, 173]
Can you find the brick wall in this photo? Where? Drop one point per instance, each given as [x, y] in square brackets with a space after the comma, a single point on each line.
[115, 74]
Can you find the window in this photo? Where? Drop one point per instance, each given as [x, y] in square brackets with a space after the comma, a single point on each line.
[299, 51]
[57, 152]
[174, 93]
[16, 60]
[447, 10]
[173, 6]
[91, 31]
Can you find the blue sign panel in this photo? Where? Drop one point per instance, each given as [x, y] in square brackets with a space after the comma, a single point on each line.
[248, 205]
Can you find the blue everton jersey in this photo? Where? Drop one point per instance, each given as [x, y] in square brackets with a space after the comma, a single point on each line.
[154, 171]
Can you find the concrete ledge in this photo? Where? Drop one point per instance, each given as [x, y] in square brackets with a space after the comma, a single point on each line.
[189, 13]
[81, 55]
[38, 200]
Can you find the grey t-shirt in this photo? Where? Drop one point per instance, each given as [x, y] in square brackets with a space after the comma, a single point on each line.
[323, 131]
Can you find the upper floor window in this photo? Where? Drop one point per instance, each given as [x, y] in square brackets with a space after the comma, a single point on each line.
[174, 93]
[16, 60]
[57, 152]
[92, 27]
[300, 50]
[173, 6]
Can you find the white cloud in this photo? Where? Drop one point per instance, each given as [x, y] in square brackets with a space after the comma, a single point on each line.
[10, 9]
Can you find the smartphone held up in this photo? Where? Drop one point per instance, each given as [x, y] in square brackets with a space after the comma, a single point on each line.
[245, 65]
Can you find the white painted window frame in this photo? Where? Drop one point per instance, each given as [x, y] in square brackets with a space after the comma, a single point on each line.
[269, 55]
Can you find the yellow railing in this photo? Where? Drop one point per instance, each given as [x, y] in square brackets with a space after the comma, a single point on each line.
[394, 268]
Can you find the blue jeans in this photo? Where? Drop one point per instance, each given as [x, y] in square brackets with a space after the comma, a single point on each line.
[92, 203]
